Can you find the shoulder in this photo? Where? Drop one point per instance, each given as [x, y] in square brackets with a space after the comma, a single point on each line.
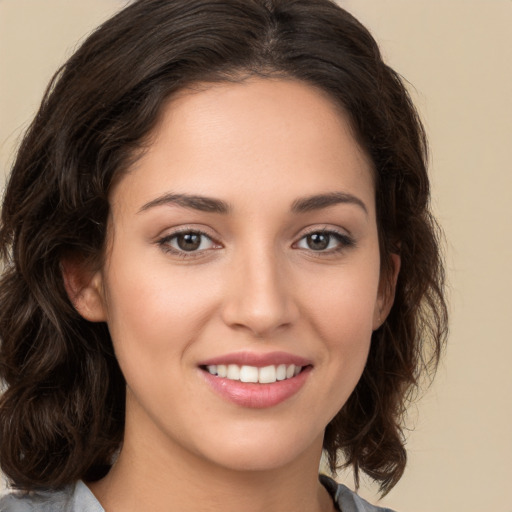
[74, 498]
[347, 500]
[47, 501]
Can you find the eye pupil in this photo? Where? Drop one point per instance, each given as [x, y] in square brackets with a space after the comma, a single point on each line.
[318, 241]
[189, 241]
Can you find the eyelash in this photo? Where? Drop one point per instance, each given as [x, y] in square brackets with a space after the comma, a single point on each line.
[165, 241]
[344, 242]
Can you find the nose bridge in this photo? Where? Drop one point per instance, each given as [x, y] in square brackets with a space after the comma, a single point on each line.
[259, 297]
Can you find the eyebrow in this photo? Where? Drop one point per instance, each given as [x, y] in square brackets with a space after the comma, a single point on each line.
[194, 202]
[319, 201]
[212, 205]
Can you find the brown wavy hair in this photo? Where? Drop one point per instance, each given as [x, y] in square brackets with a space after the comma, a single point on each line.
[62, 409]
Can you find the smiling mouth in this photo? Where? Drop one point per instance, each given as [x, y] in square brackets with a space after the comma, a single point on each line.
[253, 374]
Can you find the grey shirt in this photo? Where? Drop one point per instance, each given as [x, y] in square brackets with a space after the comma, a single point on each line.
[78, 498]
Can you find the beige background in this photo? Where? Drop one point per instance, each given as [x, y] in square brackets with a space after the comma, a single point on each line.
[457, 53]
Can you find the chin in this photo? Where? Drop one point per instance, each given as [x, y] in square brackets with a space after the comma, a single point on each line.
[265, 450]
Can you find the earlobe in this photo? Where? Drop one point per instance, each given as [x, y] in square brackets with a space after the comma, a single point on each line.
[386, 294]
[85, 289]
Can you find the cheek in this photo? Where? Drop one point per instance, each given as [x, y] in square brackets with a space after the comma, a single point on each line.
[346, 328]
[154, 320]
[154, 314]
[344, 307]
[341, 313]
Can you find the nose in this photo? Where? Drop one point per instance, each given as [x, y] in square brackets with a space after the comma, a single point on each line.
[259, 296]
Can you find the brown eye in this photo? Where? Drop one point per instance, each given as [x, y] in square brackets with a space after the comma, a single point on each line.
[189, 241]
[318, 241]
[325, 241]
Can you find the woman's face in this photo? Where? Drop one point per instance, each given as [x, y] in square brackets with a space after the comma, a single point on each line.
[242, 246]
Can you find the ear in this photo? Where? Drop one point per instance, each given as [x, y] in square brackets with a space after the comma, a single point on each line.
[386, 295]
[84, 288]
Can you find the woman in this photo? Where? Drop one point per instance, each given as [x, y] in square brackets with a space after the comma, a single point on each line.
[220, 262]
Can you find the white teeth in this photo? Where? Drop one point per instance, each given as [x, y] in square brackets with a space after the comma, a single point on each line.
[265, 375]
[281, 372]
[249, 374]
[233, 372]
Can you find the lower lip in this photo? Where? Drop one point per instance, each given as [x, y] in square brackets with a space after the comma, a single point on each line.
[257, 396]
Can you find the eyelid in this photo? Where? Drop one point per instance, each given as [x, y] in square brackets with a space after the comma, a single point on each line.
[326, 229]
[171, 231]
[345, 239]
[163, 242]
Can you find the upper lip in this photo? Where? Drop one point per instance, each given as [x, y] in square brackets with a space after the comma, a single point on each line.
[256, 359]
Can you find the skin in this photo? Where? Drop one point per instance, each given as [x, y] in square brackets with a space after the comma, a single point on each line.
[254, 285]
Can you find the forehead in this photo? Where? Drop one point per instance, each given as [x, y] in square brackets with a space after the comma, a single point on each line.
[259, 137]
